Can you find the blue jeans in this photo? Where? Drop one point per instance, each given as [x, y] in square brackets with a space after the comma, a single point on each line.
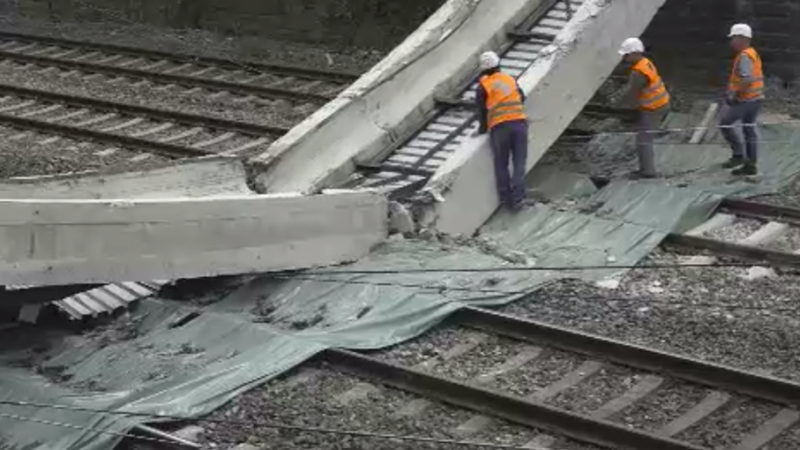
[510, 145]
[747, 113]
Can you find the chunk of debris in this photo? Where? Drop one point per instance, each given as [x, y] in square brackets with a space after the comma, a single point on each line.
[400, 219]
[245, 447]
[608, 284]
[190, 433]
[759, 272]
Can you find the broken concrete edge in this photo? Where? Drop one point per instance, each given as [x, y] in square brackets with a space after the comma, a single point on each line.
[65, 241]
[370, 126]
[462, 195]
[190, 178]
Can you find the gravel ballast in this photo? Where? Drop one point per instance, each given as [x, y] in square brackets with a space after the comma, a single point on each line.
[674, 399]
[316, 403]
[28, 156]
[712, 314]
[278, 112]
[726, 427]
[204, 43]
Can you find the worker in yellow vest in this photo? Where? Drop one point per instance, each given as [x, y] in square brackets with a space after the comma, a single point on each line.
[645, 90]
[501, 106]
[744, 98]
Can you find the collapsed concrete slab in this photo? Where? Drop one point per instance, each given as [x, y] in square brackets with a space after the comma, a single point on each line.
[392, 100]
[52, 241]
[193, 178]
[560, 83]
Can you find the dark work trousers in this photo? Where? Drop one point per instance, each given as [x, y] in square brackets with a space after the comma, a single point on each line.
[747, 114]
[647, 126]
[510, 144]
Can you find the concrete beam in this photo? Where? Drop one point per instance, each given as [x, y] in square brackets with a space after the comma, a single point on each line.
[392, 100]
[49, 242]
[558, 86]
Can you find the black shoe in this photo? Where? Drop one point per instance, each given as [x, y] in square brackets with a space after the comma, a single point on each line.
[733, 163]
[639, 175]
[747, 169]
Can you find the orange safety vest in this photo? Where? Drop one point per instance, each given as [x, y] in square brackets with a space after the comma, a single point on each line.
[748, 90]
[655, 95]
[503, 101]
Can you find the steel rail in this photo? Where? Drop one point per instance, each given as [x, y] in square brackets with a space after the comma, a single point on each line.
[166, 78]
[760, 210]
[735, 250]
[514, 409]
[717, 376]
[131, 109]
[279, 69]
[166, 149]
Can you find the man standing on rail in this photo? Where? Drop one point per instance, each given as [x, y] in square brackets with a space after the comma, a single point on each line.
[743, 99]
[501, 106]
[647, 91]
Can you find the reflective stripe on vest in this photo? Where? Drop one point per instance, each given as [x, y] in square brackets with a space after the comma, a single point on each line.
[744, 89]
[655, 95]
[503, 101]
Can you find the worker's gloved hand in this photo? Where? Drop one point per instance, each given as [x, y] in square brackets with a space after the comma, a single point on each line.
[730, 99]
[478, 133]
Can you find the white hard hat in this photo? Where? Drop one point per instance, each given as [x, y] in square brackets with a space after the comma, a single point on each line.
[741, 29]
[631, 45]
[489, 60]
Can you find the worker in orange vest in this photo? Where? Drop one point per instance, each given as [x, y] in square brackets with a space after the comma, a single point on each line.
[645, 90]
[501, 106]
[744, 98]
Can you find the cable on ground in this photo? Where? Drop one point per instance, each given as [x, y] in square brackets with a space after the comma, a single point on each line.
[492, 269]
[82, 427]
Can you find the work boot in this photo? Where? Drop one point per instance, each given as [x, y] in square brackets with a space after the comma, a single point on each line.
[749, 168]
[734, 162]
[639, 175]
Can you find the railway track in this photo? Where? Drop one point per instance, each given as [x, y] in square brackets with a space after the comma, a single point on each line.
[168, 133]
[197, 75]
[409, 166]
[589, 389]
[746, 229]
[487, 377]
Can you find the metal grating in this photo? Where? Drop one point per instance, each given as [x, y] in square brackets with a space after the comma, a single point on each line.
[107, 299]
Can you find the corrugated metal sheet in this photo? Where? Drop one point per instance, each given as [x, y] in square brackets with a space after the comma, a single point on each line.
[107, 299]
